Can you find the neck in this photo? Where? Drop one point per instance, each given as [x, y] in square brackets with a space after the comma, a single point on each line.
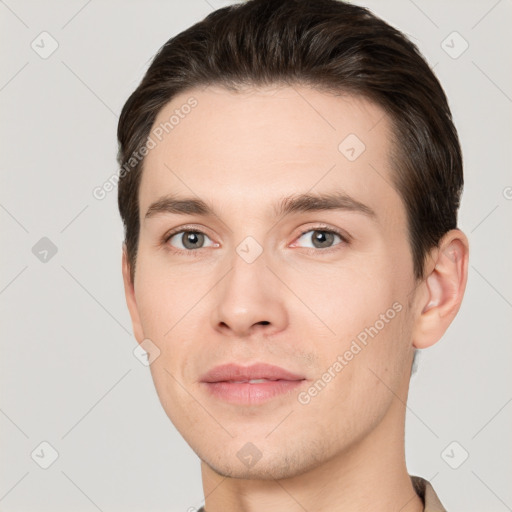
[370, 475]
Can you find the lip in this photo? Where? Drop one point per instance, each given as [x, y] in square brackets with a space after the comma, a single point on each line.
[230, 383]
[235, 372]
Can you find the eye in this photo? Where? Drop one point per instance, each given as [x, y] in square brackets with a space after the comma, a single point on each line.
[189, 240]
[322, 238]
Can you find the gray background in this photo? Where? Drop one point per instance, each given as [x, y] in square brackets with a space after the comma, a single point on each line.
[68, 373]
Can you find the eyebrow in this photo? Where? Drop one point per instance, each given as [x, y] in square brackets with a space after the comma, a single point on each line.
[300, 203]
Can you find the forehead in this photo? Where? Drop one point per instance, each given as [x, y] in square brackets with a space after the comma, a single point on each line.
[244, 149]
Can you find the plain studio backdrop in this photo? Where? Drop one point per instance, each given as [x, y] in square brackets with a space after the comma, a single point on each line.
[74, 398]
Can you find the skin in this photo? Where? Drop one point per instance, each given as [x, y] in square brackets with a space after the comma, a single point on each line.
[297, 306]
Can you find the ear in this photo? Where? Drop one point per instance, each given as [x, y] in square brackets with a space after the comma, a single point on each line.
[443, 288]
[129, 292]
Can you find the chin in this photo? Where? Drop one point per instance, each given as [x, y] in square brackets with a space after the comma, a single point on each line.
[276, 466]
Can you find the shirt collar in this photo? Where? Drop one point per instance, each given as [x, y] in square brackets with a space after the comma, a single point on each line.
[426, 492]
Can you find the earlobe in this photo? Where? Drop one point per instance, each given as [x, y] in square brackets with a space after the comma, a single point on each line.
[131, 302]
[444, 289]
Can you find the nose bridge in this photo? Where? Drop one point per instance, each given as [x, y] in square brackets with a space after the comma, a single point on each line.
[247, 298]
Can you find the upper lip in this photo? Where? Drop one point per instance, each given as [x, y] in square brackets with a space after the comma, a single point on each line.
[235, 372]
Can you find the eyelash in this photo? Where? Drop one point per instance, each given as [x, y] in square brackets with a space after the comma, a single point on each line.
[345, 239]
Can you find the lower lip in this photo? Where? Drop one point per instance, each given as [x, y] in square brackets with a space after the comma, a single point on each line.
[248, 394]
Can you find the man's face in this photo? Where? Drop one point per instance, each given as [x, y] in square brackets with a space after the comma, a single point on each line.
[252, 283]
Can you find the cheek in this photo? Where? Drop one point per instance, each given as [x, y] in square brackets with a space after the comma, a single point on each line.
[366, 312]
[358, 381]
[172, 305]
[165, 295]
[346, 298]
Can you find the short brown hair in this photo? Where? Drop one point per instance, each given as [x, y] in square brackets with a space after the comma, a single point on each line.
[328, 45]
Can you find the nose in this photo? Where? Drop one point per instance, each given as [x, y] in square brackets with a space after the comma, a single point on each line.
[249, 300]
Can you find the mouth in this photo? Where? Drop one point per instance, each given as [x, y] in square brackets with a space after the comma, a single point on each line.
[250, 385]
[252, 381]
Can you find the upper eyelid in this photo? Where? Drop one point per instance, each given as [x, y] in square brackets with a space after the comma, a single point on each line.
[345, 236]
[181, 229]
[323, 228]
